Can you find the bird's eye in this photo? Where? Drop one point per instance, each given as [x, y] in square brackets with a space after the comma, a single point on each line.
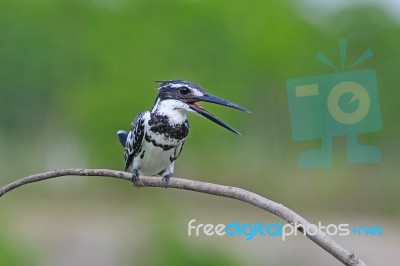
[184, 90]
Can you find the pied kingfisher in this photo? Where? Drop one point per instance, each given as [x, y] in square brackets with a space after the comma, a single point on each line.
[156, 138]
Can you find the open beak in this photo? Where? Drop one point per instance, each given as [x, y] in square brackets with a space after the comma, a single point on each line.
[214, 99]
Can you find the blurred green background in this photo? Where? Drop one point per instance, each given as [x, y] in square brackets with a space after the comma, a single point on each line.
[74, 72]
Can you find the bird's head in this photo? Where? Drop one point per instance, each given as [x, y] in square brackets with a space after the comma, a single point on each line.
[188, 94]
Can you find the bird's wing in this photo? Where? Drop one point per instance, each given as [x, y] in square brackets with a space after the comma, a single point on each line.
[134, 139]
[179, 148]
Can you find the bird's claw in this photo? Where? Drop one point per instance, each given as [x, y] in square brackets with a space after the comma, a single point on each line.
[135, 177]
[165, 179]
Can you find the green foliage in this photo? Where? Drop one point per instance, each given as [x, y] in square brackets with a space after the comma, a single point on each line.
[13, 252]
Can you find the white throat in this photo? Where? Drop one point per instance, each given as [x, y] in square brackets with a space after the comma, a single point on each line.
[174, 109]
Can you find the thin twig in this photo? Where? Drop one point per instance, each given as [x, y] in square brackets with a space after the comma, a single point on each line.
[322, 240]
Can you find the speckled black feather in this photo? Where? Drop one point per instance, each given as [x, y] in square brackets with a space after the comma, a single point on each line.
[135, 139]
[160, 124]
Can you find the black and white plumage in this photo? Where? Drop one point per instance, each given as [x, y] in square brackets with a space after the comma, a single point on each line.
[156, 138]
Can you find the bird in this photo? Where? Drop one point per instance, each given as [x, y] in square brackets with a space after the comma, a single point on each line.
[156, 137]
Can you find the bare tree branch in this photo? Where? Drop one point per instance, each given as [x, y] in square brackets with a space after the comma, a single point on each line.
[323, 240]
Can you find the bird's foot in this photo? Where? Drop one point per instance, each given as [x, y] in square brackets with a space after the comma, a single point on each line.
[165, 179]
[135, 177]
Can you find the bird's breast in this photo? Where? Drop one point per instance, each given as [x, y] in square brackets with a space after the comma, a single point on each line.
[162, 137]
[168, 128]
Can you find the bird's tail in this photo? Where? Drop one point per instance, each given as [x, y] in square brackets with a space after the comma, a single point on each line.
[122, 136]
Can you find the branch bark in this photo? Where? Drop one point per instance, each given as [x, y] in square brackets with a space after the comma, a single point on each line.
[322, 240]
